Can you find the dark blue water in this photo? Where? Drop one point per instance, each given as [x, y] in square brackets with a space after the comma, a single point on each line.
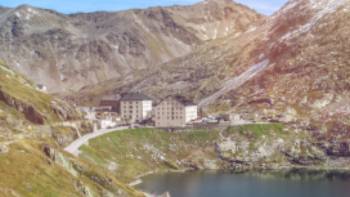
[226, 184]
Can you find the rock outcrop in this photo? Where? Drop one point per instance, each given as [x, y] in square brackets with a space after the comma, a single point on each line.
[28, 110]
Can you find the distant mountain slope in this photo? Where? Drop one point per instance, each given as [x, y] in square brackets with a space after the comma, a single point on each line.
[3, 9]
[21, 104]
[306, 45]
[67, 52]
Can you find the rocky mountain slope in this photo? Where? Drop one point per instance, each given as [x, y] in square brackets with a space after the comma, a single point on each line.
[67, 52]
[32, 162]
[292, 68]
[308, 77]
[23, 106]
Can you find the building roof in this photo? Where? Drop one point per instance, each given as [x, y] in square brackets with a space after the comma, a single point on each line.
[184, 101]
[111, 98]
[135, 96]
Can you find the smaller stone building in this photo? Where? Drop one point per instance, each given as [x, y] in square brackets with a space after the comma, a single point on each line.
[175, 111]
[111, 101]
[135, 107]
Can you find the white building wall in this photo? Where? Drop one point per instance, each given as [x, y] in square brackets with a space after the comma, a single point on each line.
[146, 109]
[191, 113]
[107, 123]
[134, 111]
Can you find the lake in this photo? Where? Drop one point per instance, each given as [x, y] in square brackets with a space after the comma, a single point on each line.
[294, 183]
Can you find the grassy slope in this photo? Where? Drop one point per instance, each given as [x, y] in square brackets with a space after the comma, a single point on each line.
[24, 168]
[258, 130]
[40, 178]
[26, 171]
[131, 153]
[270, 131]
[135, 151]
[22, 90]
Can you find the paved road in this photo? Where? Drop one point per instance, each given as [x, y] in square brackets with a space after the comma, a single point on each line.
[73, 148]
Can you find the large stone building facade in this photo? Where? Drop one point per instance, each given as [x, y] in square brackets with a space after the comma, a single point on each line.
[135, 107]
[175, 112]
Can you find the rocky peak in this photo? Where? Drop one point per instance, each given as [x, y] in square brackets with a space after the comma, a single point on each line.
[217, 2]
[319, 6]
[3, 9]
[24, 7]
[300, 16]
[210, 4]
[25, 11]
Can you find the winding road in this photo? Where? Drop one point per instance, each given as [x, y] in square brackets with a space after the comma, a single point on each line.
[73, 148]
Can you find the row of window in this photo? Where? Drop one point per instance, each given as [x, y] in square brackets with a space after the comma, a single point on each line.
[131, 105]
[170, 117]
[129, 111]
[131, 117]
[168, 113]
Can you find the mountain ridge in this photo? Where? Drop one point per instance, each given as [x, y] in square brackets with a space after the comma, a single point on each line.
[67, 52]
[305, 81]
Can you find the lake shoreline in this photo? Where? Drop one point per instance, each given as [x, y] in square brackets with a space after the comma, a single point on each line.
[139, 179]
[297, 178]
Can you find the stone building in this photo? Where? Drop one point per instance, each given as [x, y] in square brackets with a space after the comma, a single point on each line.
[111, 101]
[135, 107]
[175, 112]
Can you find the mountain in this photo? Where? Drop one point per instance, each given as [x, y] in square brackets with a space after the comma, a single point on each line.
[3, 9]
[307, 79]
[68, 52]
[291, 66]
[308, 75]
[294, 67]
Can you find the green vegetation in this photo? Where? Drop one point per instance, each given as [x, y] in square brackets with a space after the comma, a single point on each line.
[23, 91]
[26, 171]
[134, 152]
[258, 130]
[25, 168]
